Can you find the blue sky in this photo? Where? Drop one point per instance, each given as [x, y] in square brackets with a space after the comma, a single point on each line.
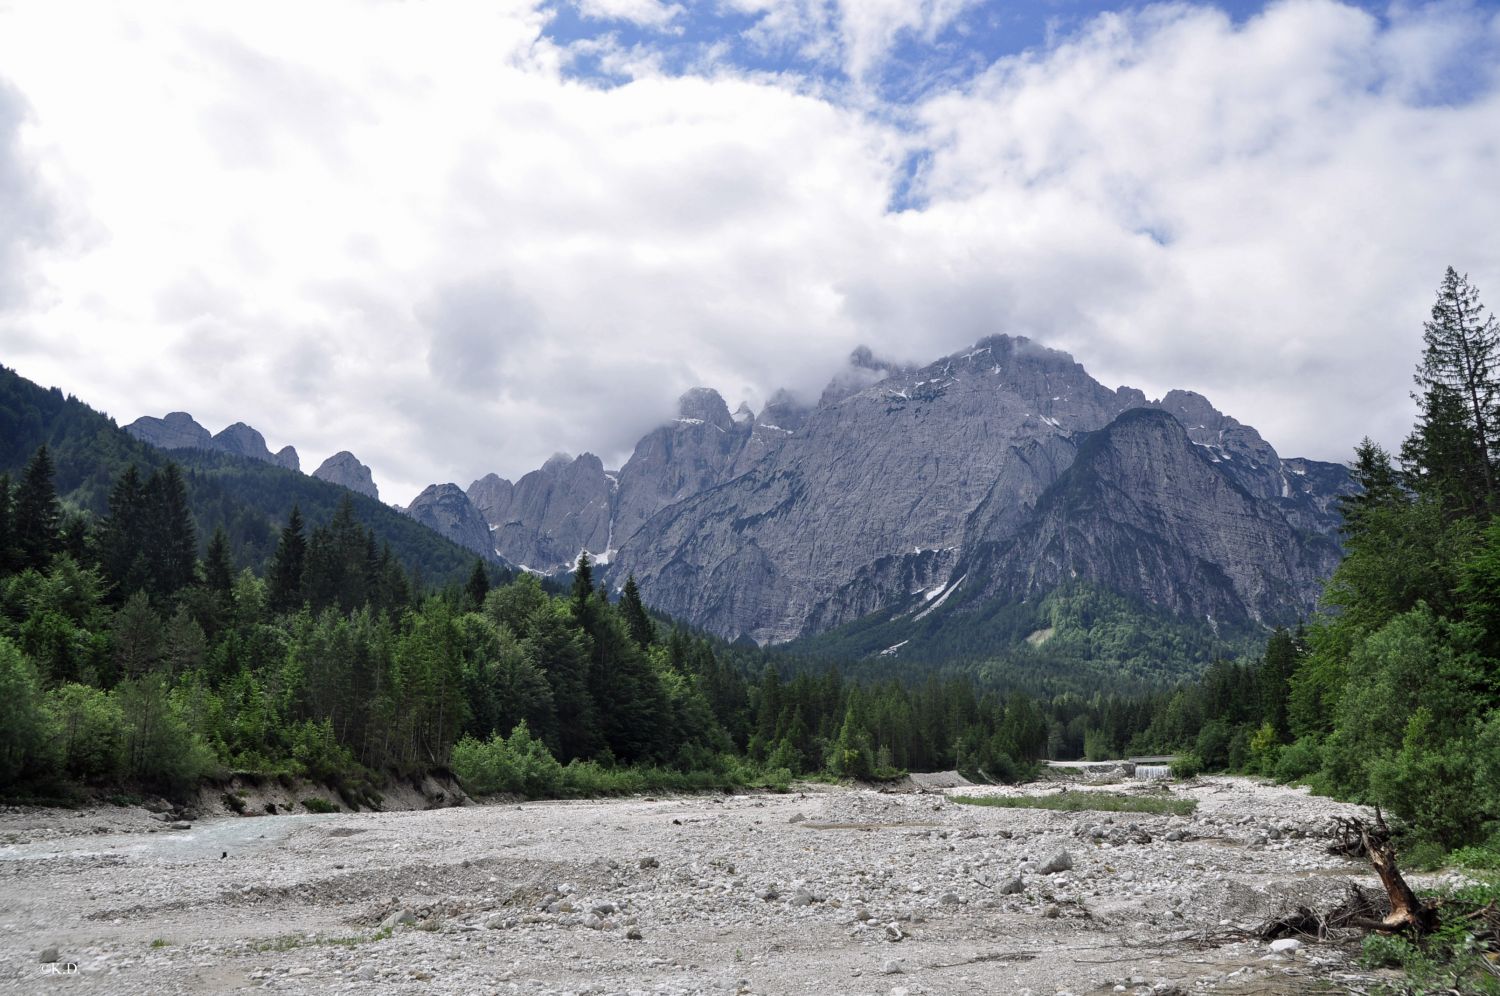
[977, 35]
[454, 239]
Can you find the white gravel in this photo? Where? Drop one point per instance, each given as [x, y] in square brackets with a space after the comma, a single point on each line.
[865, 893]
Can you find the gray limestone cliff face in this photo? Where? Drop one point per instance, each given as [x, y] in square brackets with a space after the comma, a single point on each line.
[1304, 490]
[491, 494]
[1143, 510]
[243, 440]
[178, 431]
[287, 457]
[889, 490]
[345, 470]
[777, 422]
[894, 469]
[694, 452]
[445, 509]
[550, 515]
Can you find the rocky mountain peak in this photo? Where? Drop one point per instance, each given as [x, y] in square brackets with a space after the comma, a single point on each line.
[287, 457]
[864, 368]
[177, 431]
[243, 440]
[491, 494]
[344, 469]
[743, 413]
[704, 404]
[445, 509]
[1144, 510]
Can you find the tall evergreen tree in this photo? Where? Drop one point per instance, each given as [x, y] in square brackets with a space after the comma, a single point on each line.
[583, 581]
[641, 628]
[218, 568]
[1457, 382]
[37, 514]
[478, 586]
[172, 539]
[122, 536]
[284, 578]
[7, 551]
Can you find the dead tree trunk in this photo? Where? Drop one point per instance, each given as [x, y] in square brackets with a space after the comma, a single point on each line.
[1409, 915]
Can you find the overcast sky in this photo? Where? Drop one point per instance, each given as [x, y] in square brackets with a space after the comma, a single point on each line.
[455, 238]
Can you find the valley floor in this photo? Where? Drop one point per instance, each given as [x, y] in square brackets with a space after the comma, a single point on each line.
[799, 893]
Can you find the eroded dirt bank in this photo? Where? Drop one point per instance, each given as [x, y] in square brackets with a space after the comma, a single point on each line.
[833, 891]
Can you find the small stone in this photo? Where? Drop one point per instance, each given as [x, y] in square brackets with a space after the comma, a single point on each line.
[634, 934]
[365, 973]
[603, 909]
[300, 970]
[398, 919]
[1012, 886]
[650, 862]
[1060, 862]
[768, 894]
[179, 825]
[49, 955]
[892, 967]
[1286, 946]
[801, 898]
[949, 899]
[1051, 912]
[893, 932]
[798, 818]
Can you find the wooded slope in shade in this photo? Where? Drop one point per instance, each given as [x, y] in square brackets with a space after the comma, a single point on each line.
[248, 499]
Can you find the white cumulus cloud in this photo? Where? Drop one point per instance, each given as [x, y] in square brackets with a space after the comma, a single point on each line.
[407, 231]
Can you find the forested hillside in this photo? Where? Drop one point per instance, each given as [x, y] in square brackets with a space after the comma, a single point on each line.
[246, 498]
[126, 660]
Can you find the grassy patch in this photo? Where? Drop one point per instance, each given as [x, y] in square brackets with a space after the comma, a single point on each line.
[1078, 802]
[315, 805]
[290, 942]
[1454, 959]
[160, 942]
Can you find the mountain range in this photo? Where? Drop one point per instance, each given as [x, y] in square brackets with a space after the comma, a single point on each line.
[180, 431]
[992, 476]
[907, 501]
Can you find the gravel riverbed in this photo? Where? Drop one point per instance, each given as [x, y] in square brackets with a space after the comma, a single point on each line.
[829, 890]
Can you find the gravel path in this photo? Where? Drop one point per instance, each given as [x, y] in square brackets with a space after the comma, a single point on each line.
[828, 891]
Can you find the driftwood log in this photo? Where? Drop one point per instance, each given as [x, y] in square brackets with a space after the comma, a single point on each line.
[1408, 914]
[1400, 912]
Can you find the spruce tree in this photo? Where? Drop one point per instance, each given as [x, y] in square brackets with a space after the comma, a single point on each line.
[171, 537]
[641, 628]
[284, 578]
[7, 551]
[583, 580]
[37, 514]
[1459, 392]
[478, 586]
[122, 536]
[218, 568]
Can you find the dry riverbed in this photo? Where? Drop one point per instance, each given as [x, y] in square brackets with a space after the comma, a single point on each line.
[835, 891]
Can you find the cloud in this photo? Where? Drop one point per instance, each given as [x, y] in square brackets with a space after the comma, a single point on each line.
[644, 13]
[407, 231]
[27, 221]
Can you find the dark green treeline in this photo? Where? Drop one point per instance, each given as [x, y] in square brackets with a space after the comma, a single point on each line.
[125, 659]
